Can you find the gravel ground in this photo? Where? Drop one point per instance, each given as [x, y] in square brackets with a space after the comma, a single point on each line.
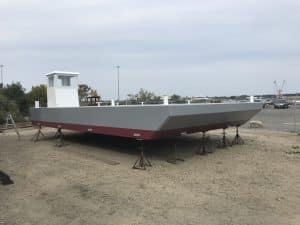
[90, 181]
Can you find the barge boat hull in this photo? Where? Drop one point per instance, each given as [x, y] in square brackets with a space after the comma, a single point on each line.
[146, 122]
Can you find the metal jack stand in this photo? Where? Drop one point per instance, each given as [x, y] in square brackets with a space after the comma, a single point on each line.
[224, 142]
[11, 123]
[142, 162]
[203, 145]
[175, 159]
[60, 138]
[238, 140]
[36, 136]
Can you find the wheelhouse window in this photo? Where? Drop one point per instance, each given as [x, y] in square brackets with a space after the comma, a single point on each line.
[65, 81]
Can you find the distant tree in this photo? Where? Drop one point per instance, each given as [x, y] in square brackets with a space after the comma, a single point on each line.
[14, 91]
[83, 91]
[37, 93]
[176, 98]
[3, 107]
[132, 97]
[9, 106]
[15, 102]
[144, 96]
[93, 93]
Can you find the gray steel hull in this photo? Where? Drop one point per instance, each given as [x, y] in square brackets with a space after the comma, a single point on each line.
[148, 121]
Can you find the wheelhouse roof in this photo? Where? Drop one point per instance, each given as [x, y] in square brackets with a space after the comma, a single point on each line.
[63, 73]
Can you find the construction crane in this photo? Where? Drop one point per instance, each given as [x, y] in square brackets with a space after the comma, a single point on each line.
[279, 89]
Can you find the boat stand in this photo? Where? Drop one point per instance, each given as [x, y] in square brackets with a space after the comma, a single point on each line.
[142, 162]
[10, 123]
[224, 141]
[60, 138]
[36, 136]
[202, 150]
[175, 157]
[238, 140]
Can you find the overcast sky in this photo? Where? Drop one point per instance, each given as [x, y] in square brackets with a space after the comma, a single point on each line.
[191, 47]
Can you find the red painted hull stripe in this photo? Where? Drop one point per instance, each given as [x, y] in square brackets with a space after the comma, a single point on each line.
[127, 132]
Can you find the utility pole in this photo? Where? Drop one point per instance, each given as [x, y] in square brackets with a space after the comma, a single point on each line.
[1, 84]
[118, 70]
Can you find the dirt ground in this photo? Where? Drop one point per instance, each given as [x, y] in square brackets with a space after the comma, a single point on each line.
[90, 181]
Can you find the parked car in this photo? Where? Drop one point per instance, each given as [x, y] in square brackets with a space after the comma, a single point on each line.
[280, 104]
[267, 103]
